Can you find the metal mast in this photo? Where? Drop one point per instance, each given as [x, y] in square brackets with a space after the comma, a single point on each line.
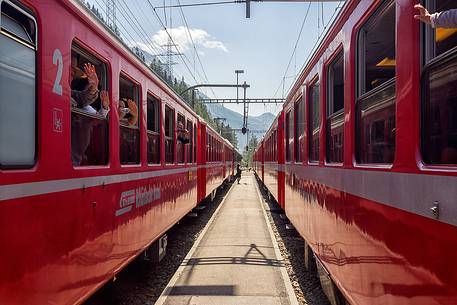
[111, 13]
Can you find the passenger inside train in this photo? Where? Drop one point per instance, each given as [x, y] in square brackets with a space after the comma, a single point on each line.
[128, 112]
[90, 107]
[129, 97]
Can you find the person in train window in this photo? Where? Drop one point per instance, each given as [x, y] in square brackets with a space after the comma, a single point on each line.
[81, 139]
[84, 84]
[183, 134]
[445, 19]
[128, 112]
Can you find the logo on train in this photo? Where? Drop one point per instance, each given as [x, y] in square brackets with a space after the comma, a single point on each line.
[138, 197]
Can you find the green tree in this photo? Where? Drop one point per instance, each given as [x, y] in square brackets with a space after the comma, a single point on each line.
[247, 154]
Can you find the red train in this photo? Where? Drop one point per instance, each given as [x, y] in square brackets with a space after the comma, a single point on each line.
[83, 193]
[363, 157]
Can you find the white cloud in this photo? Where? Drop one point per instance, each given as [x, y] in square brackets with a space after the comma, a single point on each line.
[181, 38]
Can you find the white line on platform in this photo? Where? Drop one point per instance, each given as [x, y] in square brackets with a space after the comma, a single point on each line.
[161, 300]
[285, 276]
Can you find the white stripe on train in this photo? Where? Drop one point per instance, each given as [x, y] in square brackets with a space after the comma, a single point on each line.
[15, 191]
[414, 193]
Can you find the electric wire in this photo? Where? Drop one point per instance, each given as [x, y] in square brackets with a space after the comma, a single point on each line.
[195, 48]
[295, 48]
[317, 43]
[171, 39]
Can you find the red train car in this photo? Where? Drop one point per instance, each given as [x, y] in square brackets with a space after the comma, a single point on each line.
[371, 156]
[212, 170]
[83, 192]
[271, 153]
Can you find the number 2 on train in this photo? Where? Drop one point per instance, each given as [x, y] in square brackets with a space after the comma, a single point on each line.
[58, 61]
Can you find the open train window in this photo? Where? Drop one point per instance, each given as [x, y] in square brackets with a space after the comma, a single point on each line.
[17, 87]
[314, 121]
[299, 128]
[182, 139]
[438, 41]
[335, 110]
[129, 110]
[376, 87]
[169, 135]
[439, 93]
[153, 117]
[90, 106]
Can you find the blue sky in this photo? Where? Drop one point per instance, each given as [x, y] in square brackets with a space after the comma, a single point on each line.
[226, 40]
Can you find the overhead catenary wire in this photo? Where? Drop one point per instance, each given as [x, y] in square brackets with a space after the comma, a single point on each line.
[295, 47]
[316, 44]
[172, 41]
[194, 46]
[127, 34]
[148, 42]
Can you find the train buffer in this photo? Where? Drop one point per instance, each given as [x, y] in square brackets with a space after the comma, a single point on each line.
[236, 260]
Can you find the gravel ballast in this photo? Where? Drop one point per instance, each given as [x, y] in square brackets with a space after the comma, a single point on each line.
[306, 284]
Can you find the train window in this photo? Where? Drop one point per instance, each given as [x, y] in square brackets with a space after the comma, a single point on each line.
[182, 138]
[90, 106]
[335, 110]
[129, 96]
[439, 112]
[195, 143]
[189, 147]
[314, 121]
[299, 128]
[169, 135]
[375, 114]
[289, 135]
[153, 117]
[207, 147]
[17, 87]
[439, 40]
[377, 49]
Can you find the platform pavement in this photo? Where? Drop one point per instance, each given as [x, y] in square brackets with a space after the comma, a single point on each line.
[236, 260]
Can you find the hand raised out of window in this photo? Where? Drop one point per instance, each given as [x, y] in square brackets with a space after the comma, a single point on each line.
[92, 77]
[424, 15]
[133, 112]
[105, 99]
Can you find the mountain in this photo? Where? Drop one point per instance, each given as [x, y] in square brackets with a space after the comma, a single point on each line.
[259, 124]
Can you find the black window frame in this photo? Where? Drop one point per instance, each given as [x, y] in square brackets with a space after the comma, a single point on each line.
[380, 92]
[136, 128]
[151, 98]
[315, 82]
[33, 35]
[334, 119]
[104, 80]
[172, 138]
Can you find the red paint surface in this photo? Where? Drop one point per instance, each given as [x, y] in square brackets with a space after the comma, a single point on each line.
[375, 253]
[58, 248]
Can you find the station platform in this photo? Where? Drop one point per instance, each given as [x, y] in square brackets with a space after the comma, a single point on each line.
[236, 260]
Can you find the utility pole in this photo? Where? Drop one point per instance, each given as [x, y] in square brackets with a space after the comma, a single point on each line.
[111, 14]
[246, 109]
[237, 73]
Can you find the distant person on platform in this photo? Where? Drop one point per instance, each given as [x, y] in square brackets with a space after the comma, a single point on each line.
[444, 19]
[238, 173]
